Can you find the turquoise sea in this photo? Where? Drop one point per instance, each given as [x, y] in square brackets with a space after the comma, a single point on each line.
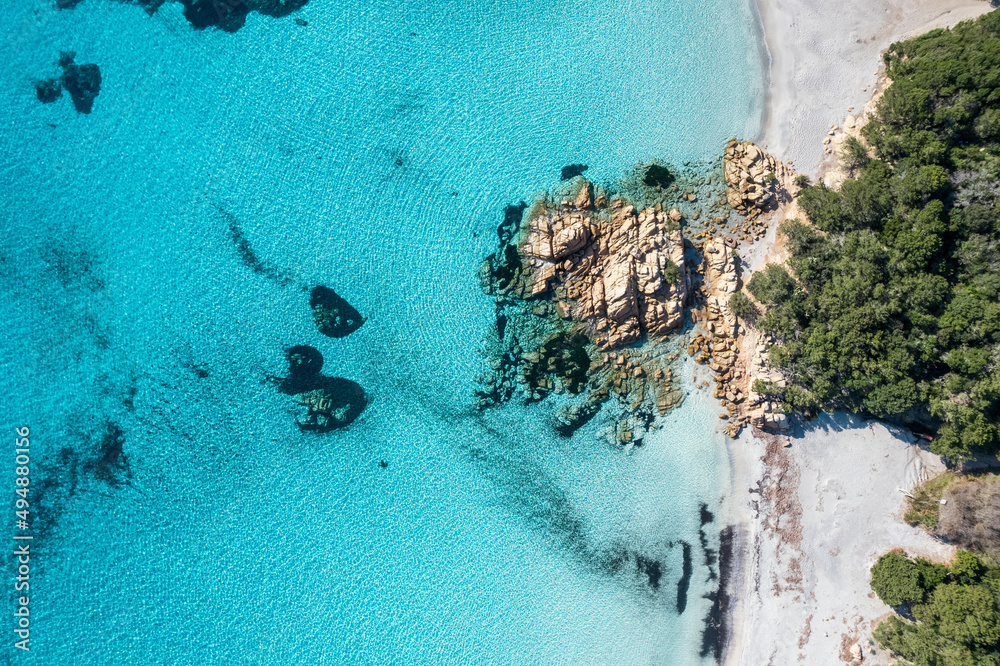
[154, 264]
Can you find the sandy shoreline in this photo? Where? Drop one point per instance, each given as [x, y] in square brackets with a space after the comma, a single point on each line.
[810, 519]
[823, 59]
[813, 519]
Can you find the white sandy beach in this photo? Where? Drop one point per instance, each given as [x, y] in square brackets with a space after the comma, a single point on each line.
[812, 518]
[823, 59]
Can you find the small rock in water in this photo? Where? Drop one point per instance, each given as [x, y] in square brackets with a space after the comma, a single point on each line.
[334, 316]
[82, 82]
[48, 90]
[330, 402]
[572, 171]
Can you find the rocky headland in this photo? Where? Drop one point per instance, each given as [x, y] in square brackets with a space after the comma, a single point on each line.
[591, 281]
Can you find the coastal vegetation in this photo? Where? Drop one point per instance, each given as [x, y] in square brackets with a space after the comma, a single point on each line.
[948, 616]
[894, 307]
[925, 501]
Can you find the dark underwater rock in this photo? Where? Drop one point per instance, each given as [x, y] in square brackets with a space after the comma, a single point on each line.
[572, 171]
[334, 316]
[230, 15]
[82, 82]
[658, 175]
[48, 90]
[226, 15]
[330, 402]
[716, 631]
[334, 403]
[685, 580]
[304, 361]
[112, 461]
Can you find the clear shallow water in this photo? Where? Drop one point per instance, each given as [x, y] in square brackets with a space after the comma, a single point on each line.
[372, 151]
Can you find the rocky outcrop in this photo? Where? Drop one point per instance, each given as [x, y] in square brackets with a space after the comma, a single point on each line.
[721, 282]
[755, 181]
[334, 317]
[719, 349]
[763, 413]
[581, 277]
[577, 277]
[329, 402]
[620, 271]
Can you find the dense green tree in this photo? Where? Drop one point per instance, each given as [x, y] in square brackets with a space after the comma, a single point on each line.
[896, 580]
[773, 285]
[894, 308]
[741, 306]
[957, 613]
[962, 613]
[967, 567]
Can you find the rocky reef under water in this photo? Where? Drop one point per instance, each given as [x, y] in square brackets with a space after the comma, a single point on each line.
[334, 316]
[82, 82]
[590, 281]
[329, 402]
[226, 15]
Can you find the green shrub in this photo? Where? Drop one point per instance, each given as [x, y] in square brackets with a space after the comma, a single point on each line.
[925, 505]
[742, 307]
[966, 567]
[772, 286]
[855, 155]
[671, 273]
[896, 580]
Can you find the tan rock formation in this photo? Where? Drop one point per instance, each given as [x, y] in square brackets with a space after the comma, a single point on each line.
[721, 281]
[755, 181]
[762, 413]
[620, 271]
